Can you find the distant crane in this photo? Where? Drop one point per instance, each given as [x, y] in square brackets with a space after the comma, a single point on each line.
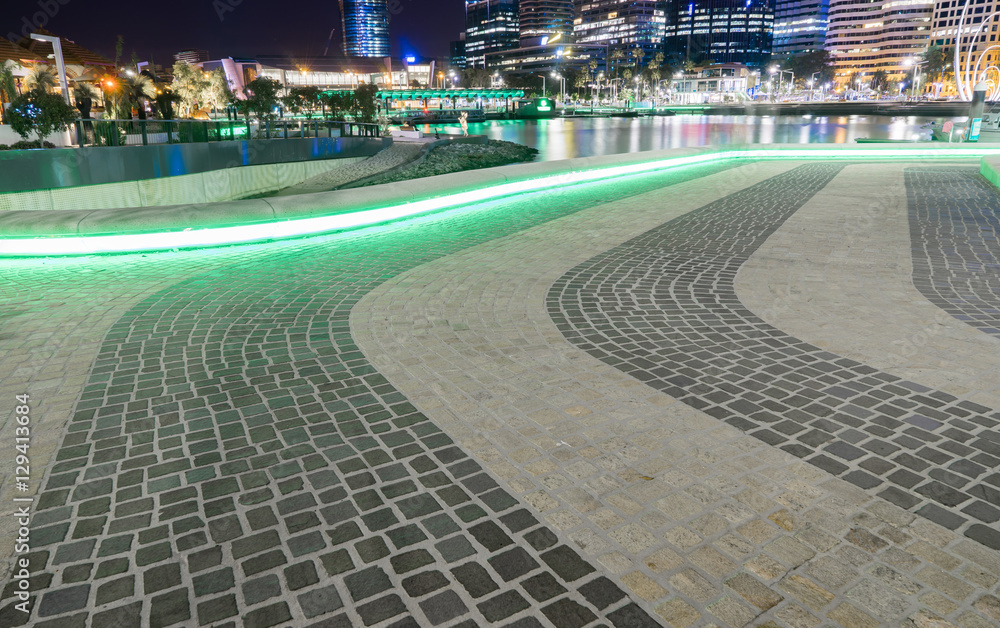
[328, 40]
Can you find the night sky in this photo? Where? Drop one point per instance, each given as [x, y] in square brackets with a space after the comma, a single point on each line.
[246, 27]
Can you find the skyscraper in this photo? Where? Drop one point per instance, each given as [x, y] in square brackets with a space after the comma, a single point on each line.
[490, 26]
[722, 31]
[366, 27]
[626, 24]
[879, 35]
[546, 18]
[800, 26]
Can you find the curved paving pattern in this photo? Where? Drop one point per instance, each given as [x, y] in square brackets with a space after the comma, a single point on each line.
[708, 524]
[235, 459]
[839, 275]
[955, 226]
[686, 333]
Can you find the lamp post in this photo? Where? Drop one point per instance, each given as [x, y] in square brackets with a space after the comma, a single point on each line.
[60, 64]
[543, 84]
[909, 62]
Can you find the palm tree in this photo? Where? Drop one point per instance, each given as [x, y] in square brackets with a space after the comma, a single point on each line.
[934, 60]
[41, 77]
[8, 88]
[84, 95]
[880, 81]
[137, 89]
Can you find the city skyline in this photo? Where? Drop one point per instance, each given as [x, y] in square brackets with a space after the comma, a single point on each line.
[234, 27]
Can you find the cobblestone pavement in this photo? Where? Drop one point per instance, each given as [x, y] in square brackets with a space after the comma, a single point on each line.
[258, 443]
[691, 514]
[957, 244]
[233, 455]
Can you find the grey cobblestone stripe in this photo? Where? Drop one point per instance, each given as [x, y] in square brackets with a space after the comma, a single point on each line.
[955, 230]
[662, 308]
[235, 460]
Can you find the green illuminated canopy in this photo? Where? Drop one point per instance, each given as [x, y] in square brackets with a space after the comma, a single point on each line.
[420, 94]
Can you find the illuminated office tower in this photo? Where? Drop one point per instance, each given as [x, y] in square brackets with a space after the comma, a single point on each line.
[625, 24]
[546, 19]
[721, 31]
[879, 35]
[800, 26]
[490, 26]
[366, 27]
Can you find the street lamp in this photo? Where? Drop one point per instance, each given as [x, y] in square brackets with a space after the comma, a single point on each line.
[543, 84]
[60, 64]
[909, 62]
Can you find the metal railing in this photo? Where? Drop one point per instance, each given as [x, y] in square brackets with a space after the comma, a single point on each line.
[147, 132]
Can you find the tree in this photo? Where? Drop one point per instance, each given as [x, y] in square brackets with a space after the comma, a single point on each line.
[935, 61]
[8, 88]
[39, 112]
[136, 90]
[165, 100]
[217, 93]
[301, 99]
[807, 64]
[191, 84]
[364, 103]
[880, 81]
[615, 57]
[41, 77]
[84, 95]
[261, 99]
[338, 104]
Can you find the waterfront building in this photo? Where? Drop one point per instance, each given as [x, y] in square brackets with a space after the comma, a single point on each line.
[799, 26]
[490, 26]
[552, 19]
[881, 35]
[365, 27]
[722, 31]
[621, 24]
[723, 82]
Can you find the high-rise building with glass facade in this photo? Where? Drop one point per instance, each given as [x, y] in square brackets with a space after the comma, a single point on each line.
[546, 18]
[366, 27]
[490, 26]
[721, 31]
[800, 26]
[624, 24]
[878, 35]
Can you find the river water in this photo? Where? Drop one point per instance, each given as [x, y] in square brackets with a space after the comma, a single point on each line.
[564, 138]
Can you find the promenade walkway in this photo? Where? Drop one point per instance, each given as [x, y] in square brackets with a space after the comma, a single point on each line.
[740, 394]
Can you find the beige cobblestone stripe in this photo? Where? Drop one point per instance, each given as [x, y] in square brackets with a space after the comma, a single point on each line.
[706, 524]
[839, 275]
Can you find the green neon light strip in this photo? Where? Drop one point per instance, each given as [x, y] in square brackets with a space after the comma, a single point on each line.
[201, 238]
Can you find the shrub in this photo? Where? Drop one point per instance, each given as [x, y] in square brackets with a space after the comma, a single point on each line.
[40, 113]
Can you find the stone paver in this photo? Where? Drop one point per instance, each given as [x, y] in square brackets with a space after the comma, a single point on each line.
[685, 332]
[229, 425]
[388, 428]
[547, 417]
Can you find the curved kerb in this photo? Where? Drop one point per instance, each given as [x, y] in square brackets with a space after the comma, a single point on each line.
[143, 229]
